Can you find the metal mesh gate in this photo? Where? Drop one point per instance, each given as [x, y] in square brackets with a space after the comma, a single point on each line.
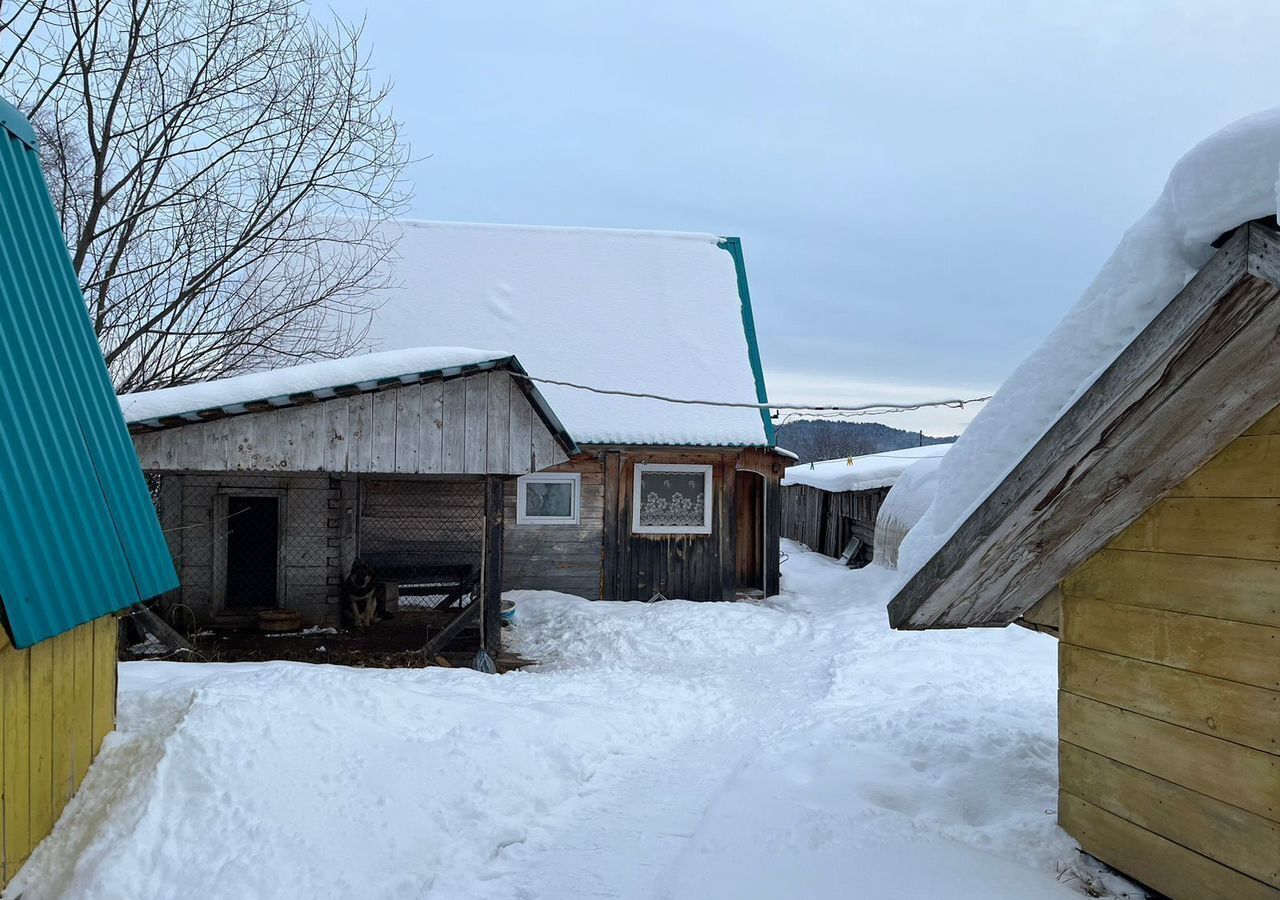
[427, 536]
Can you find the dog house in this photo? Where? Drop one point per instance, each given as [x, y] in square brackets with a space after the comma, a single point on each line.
[270, 485]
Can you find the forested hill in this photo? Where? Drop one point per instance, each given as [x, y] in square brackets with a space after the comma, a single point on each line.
[818, 439]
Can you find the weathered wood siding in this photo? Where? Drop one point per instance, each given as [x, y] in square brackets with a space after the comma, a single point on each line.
[59, 701]
[477, 424]
[825, 520]
[312, 533]
[601, 558]
[1170, 685]
[562, 558]
[687, 566]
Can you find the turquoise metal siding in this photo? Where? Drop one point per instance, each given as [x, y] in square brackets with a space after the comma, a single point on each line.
[78, 534]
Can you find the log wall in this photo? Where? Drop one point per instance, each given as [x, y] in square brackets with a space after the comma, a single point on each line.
[1170, 685]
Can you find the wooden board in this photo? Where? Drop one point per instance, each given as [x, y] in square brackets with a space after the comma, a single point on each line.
[1236, 527]
[1238, 651]
[1235, 712]
[16, 676]
[1242, 590]
[1234, 774]
[482, 423]
[1238, 839]
[1168, 867]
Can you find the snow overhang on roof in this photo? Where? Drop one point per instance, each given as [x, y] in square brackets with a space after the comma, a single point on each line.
[313, 382]
[868, 472]
[650, 312]
[1203, 371]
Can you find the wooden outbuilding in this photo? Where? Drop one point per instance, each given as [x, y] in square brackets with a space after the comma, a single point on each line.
[79, 534]
[272, 484]
[832, 506]
[1143, 530]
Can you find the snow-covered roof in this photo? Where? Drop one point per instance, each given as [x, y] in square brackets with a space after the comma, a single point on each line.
[861, 473]
[640, 311]
[274, 387]
[1225, 181]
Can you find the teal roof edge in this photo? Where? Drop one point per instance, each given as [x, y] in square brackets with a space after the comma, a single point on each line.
[734, 246]
[16, 124]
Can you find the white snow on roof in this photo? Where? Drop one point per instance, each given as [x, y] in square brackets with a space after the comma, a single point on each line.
[298, 379]
[639, 311]
[1223, 182]
[861, 473]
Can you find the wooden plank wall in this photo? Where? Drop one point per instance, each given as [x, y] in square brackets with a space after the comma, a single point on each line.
[688, 566]
[1170, 685]
[476, 424]
[815, 517]
[59, 702]
[601, 558]
[562, 558]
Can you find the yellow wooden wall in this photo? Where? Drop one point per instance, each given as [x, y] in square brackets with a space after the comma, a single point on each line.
[59, 701]
[1169, 668]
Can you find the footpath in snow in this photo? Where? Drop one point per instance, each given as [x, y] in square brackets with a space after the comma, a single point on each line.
[670, 751]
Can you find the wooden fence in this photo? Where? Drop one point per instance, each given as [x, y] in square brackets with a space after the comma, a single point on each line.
[825, 521]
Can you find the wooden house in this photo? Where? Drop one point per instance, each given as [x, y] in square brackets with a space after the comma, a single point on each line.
[79, 534]
[833, 506]
[662, 498]
[1143, 530]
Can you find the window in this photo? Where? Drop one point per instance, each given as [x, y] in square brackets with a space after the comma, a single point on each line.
[672, 500]
[549, 499]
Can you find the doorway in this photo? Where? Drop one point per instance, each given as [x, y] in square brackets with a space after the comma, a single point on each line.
[253, 553]
[749, 500]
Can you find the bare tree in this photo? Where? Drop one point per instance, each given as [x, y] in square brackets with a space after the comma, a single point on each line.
[224, 169]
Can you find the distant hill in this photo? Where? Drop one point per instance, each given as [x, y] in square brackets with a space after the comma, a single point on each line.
[815, 439]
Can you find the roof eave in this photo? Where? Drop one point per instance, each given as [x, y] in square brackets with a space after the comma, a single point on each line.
[734, 246]
[1198, 375]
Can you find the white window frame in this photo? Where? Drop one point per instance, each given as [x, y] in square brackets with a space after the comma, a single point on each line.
[708, 481]
[573, 478]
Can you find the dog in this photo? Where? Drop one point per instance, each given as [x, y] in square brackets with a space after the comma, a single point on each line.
[359, 605]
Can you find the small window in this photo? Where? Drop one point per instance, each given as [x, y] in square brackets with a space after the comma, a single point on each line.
[672, 500]
[549, 499]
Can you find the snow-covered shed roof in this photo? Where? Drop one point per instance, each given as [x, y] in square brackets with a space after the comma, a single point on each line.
[640, 311]
[1166, 358]
[860, 473]
[278, 388]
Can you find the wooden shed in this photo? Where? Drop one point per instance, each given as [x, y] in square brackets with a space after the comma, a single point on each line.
[272, 484]
[79, 535]
[832, 506]
[1143, 530]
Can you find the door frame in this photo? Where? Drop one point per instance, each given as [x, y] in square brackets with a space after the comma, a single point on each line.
[761, 516]
[220, 545]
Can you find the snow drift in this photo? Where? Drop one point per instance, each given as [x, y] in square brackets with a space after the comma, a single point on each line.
[1223, 182]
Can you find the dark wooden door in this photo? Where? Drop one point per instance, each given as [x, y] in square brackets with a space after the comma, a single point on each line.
[253, 552]
[749, 499]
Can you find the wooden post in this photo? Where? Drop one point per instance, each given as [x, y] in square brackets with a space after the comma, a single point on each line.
[613, 495]
[492, 583]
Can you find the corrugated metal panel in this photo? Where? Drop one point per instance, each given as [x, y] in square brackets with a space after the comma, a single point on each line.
[78, 534]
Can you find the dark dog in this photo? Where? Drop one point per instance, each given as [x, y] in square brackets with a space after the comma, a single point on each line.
[359, 606]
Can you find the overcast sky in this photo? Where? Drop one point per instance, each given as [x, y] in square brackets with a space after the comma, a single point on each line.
[922, 188]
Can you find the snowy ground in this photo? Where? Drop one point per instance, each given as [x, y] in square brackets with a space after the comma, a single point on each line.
[673, 750]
